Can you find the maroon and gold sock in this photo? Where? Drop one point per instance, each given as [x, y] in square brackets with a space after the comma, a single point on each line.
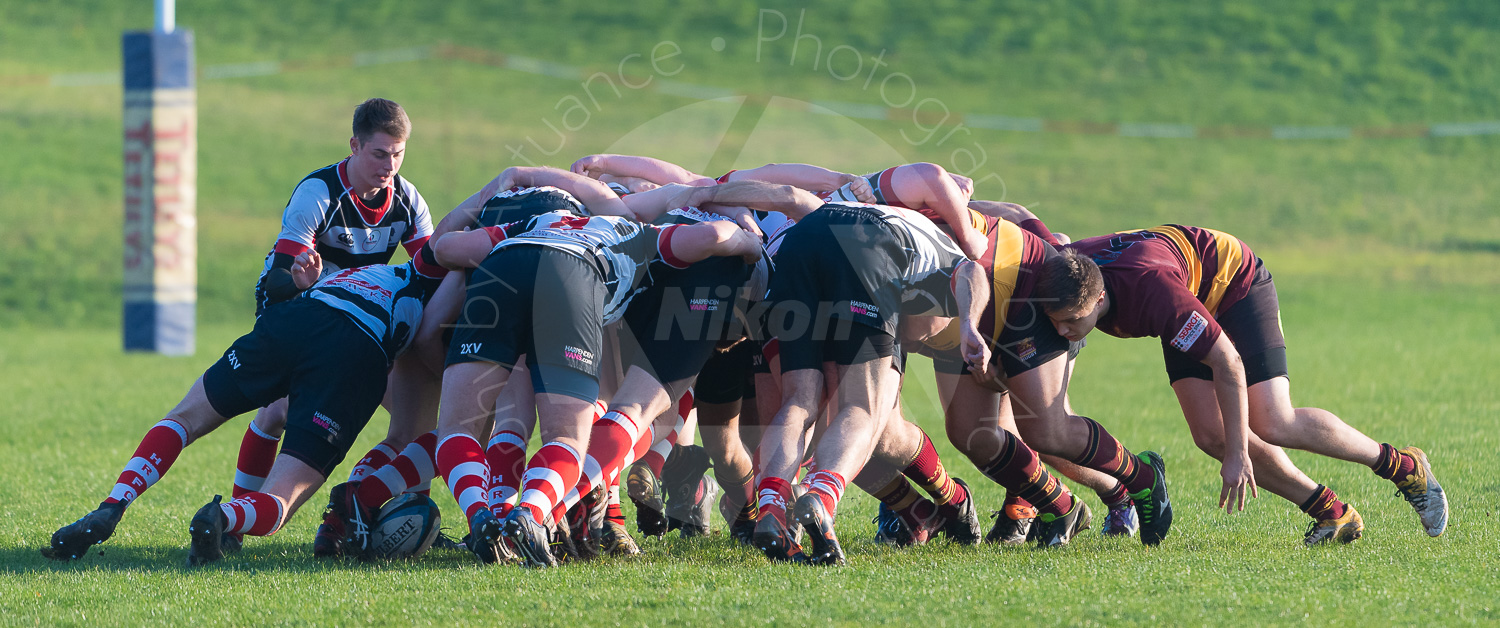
[1116, 497]
[904, 500]
[1323, 504]
[1018, 469]
[1107, 455]
[1393, 464]
[926, 469]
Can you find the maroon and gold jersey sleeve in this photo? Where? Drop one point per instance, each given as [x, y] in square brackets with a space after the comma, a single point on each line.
[1168, 311]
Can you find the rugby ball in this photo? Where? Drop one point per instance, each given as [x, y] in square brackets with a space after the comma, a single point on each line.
[405, 528]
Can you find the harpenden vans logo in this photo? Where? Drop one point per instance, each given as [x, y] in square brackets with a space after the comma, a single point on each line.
[858, 307]
[578, 355]
[703, 305]
[322, 420]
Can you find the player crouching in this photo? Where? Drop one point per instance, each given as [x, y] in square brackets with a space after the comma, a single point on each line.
[329, 350]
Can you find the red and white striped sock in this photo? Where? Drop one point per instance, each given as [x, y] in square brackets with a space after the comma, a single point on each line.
[657, 455]
[153, 457]
[550, 474]
[828, 486]
[254, 513]
[774, 495]
[412, 469]
[461, 462]
[257, 454]
[376, 458]
[611, 441]
[507, 459]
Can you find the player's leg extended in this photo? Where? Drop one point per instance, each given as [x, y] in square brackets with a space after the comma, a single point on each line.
[1273, 418]
[515, 420]
[192, 418]
[780, 454]
[1274, 471]
[468, 399]
[1039, 395]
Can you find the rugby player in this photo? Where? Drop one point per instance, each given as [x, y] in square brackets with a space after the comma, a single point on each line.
[353, 213]
[329, 351]
[544, 290]
[872, 261]
[1213, 304]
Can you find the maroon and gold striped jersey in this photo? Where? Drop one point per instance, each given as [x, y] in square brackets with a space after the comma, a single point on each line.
[1170, 282]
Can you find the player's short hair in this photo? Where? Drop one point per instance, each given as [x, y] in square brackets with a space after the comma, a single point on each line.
[383, 116]
[1068, 281]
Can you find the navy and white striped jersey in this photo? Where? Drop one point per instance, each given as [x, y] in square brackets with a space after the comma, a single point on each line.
[619, 248]
[931, 259]
[519, 203]
[323, 214]
[385, 300]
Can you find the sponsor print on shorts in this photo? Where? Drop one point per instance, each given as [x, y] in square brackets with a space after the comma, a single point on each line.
[1026, 349]
[865, 309]
[703, 305]
[577, 355]
[1191, 331]
[321, 420]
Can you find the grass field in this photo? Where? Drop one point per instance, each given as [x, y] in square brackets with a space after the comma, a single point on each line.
[1385, 255]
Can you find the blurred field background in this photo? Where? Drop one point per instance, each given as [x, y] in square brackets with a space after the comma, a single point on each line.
[1385, 250]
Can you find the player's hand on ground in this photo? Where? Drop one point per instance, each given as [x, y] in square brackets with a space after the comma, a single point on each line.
[306, 269]
[975, 350]
[1239, 480]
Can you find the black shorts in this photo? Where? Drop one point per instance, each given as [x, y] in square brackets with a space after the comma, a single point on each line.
[332, 371]
[835, 291]
[1028, 341]
[1253, 324]
[676, 323]
[728, 376]
[539, 302]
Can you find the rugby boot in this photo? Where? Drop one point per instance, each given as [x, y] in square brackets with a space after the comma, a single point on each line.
[575, 528]
[1055, 531]
[892, 528]
[741, 519]
[888, 525]
[445, 542]
[644, 489]
[615, 540]
[818, 522]
[1152, 505]
[72, 541]
[961, 520]
[328, 542]
[563, 547]
[690, 508]
[207, 531]
[485, 537]
[233, 543]
[1421, 489]
[1121, 521]
[531, 540]
[355, 518]
[1014, 525]
[773, 539]
[1344, 529]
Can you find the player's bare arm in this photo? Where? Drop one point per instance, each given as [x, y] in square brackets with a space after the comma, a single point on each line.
[1234, 407]
[649, 168]
[694, 243]
[808, 177]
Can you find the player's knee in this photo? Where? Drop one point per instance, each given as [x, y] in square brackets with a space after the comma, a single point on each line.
[1211, 444]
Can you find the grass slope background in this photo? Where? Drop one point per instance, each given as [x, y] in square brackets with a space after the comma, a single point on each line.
[1384, 252]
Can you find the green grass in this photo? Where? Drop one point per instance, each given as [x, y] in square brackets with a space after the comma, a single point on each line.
[1384, 253]
[79, 406]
